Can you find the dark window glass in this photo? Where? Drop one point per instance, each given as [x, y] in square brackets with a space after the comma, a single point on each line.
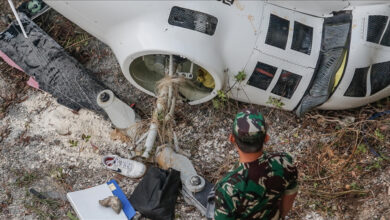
[386, 37]
[286, 85]
[262, 76]
[302, 38]
[376, 26]
[277, 32]
[194, 20]
[358, 86]
[380, 76]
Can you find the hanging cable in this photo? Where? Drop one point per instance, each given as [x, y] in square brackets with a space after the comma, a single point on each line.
[11, 4]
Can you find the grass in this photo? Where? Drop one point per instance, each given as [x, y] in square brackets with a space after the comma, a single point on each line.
[85, 137]
[44, 208]
[220, 101]
[277, 103]
[339, 171]
[71, 216]
[57, 173]
[73, 143]
[16, 80]
[26, 179]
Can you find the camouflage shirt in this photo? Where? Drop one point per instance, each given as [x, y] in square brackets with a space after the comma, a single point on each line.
[254, 190]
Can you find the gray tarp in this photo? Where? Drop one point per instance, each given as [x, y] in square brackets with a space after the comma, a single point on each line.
[56, 71]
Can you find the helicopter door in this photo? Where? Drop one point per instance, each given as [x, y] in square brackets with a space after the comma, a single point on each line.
[290, 35]
[285, 56]
[273, 82]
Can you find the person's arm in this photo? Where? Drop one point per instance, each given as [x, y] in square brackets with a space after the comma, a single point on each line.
[287, 203]
[291, 191]
[224, 203]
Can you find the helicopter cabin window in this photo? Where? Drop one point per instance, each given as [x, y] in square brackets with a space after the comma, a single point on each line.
[277, 32]
[376, 26]
[380, 76]
[386, 37]
[302, 38]
[287, 84]
[227, 2]
[262, 76]
[357, 88]
[193, 20]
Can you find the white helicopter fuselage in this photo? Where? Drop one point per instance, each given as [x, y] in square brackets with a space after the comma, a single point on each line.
[231, 36]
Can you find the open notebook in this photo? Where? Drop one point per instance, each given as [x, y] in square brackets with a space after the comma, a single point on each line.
[86, 203]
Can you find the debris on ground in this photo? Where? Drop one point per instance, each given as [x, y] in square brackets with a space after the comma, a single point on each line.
[156, 194]
[88, 203]
[113, 202]
[125, 167]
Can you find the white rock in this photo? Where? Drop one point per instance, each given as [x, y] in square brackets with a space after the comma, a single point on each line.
[62, 128]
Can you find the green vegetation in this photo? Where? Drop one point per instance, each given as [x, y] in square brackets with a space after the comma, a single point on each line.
[43, 207]
[71, 216]
[73, 143]
[85, 137]
[379, 135]
[219, 102]
[277, 103]
[57, 173]
[241, 76]
[375, 165]
[26, 179]
[361, 149]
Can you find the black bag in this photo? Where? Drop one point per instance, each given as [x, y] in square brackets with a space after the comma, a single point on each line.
[155, 196]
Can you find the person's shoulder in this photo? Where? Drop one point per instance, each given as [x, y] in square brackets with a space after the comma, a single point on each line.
[233, 178]
[282, 164]
[281, 157]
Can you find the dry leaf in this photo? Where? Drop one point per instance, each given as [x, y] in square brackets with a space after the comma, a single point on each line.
[329, 151]
[119, 135]
[95, 148]
[384, 128]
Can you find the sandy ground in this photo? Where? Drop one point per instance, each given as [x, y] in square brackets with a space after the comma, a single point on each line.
[42, 148]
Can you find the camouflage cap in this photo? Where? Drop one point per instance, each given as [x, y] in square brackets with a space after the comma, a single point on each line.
[249, 126]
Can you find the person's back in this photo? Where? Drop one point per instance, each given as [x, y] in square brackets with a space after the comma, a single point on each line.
[262, 185]
[257, 188]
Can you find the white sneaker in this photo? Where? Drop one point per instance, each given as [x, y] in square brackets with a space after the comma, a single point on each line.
[125, 167]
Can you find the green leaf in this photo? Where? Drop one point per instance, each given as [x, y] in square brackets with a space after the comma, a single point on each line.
[277, 103]
[85, 137]
[222, 95]
[216, 103]
[70, 216]
[241, 76]
[73, 143]
[379, 135]
[361, 148]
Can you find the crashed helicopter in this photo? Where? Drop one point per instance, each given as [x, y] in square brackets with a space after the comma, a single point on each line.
[303, 54]
[311, 54]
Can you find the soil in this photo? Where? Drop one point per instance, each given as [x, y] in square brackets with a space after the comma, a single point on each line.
[343, 158]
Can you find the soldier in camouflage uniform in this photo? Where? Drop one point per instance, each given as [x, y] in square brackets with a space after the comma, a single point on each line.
[262, 185]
